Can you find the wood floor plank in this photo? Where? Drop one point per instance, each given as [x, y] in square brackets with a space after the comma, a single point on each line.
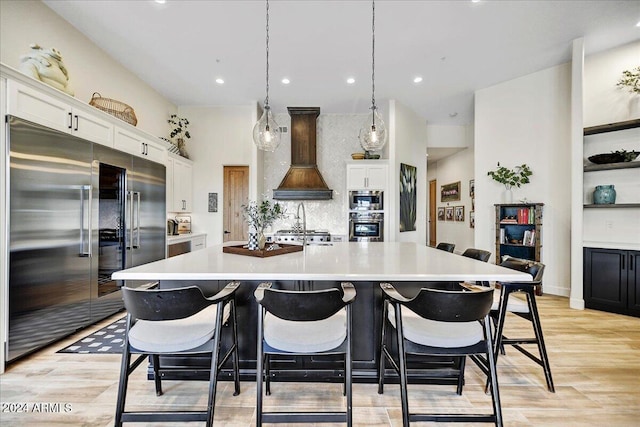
[595, 362]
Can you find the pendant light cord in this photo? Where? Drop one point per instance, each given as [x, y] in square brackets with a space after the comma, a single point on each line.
[373, 56]
[266, 100]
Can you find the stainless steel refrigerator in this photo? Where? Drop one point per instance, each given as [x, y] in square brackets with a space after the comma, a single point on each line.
[78, 211]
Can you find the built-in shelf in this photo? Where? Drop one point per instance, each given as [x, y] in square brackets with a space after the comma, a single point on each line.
[612, 166]
[615, 205]
[612, 127]
[520, 245]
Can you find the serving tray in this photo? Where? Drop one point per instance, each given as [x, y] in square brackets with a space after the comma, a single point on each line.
[241, 250]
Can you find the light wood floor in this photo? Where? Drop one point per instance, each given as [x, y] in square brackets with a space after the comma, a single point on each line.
[595, 358]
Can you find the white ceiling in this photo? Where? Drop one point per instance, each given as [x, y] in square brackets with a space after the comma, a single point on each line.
[181, 47]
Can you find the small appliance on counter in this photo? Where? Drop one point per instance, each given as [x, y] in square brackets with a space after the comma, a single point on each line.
[184, 224]
[172, 227]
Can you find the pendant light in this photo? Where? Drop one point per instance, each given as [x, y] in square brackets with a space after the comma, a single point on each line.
[266, 132]
[373, 133]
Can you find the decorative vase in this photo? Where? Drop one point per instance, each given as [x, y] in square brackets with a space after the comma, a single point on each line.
[507, 196]
[604, 195]
[252, 245]
[182, 148]
[262, 240]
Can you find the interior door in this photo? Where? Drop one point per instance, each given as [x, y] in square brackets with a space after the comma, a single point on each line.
[236, 194]
[432, 212]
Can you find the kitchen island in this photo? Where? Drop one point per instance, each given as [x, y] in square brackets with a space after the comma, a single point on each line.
[408, 266]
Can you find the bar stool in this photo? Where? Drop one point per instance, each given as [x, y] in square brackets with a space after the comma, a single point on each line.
[448, 247]
[176, 321]
[438, 323]
[525, 309]
[303, 323]
[479, 254]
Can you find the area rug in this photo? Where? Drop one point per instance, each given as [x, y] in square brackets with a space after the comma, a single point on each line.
[105, 340]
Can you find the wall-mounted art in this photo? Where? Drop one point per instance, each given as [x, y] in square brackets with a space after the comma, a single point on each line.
[472, 219]
[441, 214]
[458, 213]
[450, 192]
[408, 202]
[213, 202]
[448, 213]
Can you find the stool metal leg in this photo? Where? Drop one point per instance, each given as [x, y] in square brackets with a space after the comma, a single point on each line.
[537, 328]
[155, 362]
[403, 368]
[236, 357]
[259, 369]
[382, 359]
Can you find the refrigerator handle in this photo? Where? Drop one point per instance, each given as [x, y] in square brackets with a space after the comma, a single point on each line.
[136, 243]
[85, 250]
[129, 224]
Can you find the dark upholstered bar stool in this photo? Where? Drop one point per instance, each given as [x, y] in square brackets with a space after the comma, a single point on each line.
[528, 310]
[438, 323]
[303, 323]
[176, 321]
[479, 254]
[448, 247]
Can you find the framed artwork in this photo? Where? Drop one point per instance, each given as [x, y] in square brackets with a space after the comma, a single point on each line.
[459, 213]
[441, 214]
[472, 188]
[408, 197]
[213, 202]
[448, 213]
[450, 192]
[472, 219]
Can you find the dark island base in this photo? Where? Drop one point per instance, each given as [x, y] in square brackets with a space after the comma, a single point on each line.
[367, 323]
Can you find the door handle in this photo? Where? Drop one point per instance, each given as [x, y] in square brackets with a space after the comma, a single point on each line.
[70, 120]
[136, 242]
[622, 260]
[77, 122]
[85, 250]
[129, 224]
[630, 262]
[227, 232]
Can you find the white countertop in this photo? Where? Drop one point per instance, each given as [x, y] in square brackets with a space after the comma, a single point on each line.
[183, 237]
[348, 261]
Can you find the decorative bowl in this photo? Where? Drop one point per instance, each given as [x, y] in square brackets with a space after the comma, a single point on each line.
[357, 156]
[618, 157]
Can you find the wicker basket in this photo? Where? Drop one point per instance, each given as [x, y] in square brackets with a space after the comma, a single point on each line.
[115, 108]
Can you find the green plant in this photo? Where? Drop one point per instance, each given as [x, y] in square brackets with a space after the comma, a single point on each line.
[509, 177]
[631, 80]
[627, 156]
[180, 126]
[262, 215]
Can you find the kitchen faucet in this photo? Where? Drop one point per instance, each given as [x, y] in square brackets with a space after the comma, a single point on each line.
[304, 223]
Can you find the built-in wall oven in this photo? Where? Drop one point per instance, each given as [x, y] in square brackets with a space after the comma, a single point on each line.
[366, 200]
[366, 226]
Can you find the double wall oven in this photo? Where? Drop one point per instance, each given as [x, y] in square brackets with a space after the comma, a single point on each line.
[366, 216]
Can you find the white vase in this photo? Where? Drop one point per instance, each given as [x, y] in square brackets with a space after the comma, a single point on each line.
[507, 196]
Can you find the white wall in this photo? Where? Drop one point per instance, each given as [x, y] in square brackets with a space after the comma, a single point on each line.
[458, 167]
[220, 136]
[604, 102]
[410, 147]
[454, 168]
[90, 68]
[527, 120]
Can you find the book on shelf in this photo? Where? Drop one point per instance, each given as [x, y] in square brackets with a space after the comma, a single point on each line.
[529, 238]
[503, 237]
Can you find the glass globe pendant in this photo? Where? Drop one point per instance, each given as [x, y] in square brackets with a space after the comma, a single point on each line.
[266, 132]
[373, 133]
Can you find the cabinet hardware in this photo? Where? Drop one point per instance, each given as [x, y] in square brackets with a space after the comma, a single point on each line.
[630, 262]
[622, 261]
[70, 120]
[77, 122]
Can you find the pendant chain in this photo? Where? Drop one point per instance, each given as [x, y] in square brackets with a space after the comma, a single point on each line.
[266, 100]
[373, 56]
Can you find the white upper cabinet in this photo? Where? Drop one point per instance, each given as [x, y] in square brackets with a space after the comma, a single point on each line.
[38, 107]
[179, 184]
[367, 176]
[139, 145]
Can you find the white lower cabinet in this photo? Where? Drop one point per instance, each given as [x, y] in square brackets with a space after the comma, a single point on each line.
[179, 184]
[199, 242]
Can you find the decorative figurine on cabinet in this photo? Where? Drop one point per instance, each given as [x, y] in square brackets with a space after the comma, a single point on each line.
[45, 64]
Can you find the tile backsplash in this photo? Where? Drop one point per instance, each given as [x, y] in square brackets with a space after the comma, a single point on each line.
[337, 138]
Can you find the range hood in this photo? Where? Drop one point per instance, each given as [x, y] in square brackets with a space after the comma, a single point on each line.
[303, 180]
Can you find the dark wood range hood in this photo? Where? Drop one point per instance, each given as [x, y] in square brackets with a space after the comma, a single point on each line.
[303, 180]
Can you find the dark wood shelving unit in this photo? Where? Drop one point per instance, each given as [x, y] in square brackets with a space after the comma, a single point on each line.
[612, 127]
[612, 166]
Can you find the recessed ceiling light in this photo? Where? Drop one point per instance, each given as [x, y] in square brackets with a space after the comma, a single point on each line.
[417, 79]
[475, 1]
[638, 24]
[161, 1]
[220, 81]
[286, 81]
[351, 80]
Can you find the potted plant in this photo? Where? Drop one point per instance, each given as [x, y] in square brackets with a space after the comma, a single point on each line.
[630, 80]
[517, 176]
[179, 132]
[259, 216]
